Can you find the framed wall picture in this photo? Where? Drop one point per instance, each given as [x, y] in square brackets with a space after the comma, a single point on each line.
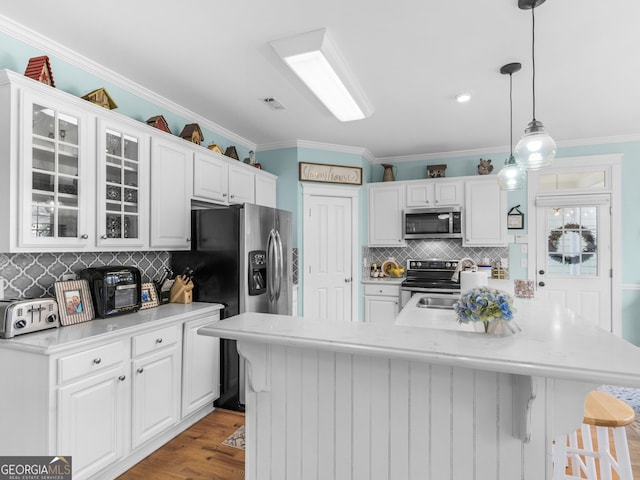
[515, 219]
[149, 297]
[74, 302]
[325, 173]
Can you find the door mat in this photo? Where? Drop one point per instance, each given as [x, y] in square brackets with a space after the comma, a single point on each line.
[236, 439]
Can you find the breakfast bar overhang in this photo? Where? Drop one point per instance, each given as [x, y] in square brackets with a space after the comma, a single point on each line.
[352, 400]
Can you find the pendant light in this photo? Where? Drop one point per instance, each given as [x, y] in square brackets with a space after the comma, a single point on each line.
[536, 148]
[511, 176]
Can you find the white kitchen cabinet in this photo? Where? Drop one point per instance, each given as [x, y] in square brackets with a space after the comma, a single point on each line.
[386, 206]
[123, 185]
[210, 178]
[485, 213]
[171, 190]
[265, 189]
[434, 193]
[241, 183]
[92, 418]
[200, 366]
[381, 302]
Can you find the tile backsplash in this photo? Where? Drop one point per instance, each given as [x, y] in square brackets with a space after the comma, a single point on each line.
[420, 249]
[32, 275]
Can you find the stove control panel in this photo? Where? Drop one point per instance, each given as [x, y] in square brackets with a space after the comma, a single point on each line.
[433, 264]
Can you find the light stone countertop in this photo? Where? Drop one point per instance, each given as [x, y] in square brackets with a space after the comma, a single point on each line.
[554, 342]
[384, 280]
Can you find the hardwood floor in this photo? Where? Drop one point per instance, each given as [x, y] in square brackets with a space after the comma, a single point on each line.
[197, 453]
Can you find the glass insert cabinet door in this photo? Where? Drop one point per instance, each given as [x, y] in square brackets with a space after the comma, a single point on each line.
[53, 160]
[122, 153]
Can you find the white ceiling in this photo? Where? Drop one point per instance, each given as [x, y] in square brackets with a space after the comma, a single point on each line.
[412, 57]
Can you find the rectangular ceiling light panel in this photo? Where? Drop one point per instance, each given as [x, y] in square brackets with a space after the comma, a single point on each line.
[316, 61]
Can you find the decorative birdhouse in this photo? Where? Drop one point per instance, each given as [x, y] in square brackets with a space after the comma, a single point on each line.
[192, 133]
[101, 97]
[39, 69]
[485, 167]
[159, 122]
[214, 147]
[436, 171]
[231, 152]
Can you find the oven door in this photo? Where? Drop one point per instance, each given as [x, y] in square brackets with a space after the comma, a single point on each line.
[433, 223]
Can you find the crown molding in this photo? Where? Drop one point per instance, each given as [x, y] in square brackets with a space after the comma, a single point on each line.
[37, 40]
[317, 146]
[443, 155]
[600, 140]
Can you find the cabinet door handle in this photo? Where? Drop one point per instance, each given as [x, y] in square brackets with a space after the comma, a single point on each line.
[103, 237]
[158, 340]
[97, 360]
[140, 370]
[121, 378]
[84, 236]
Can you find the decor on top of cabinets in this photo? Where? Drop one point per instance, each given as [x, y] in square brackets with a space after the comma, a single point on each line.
[251, 159]
[159, 122]
[215, 147]
[485, 167]
[39, 68]
[515, 219]
[325, 173]
[436, 171]
[231, 152]
[74, 302]
[388, 174]
[192, 133]
[101, 97]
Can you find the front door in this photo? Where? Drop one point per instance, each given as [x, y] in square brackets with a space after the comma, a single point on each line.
[573, 258]
[328, 266]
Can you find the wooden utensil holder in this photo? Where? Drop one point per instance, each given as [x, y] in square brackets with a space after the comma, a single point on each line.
[181, 291]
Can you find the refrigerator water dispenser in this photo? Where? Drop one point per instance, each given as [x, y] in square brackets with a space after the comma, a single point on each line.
[257, 272]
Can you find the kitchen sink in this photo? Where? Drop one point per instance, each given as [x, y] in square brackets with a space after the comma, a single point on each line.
[437, 302]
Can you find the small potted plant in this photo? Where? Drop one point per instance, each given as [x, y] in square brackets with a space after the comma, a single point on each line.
[489, 308]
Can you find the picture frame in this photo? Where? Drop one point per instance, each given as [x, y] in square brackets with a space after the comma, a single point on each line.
[75, 304]
[327, 173]
[149, 296]
[515, 219]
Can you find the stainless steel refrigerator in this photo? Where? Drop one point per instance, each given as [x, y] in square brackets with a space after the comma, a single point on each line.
[241, 258]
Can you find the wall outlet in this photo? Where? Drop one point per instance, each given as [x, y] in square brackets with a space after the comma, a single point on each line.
[69, 276]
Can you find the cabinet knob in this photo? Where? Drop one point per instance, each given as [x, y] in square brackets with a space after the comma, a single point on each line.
[97, 360]
[122, 378]
[103, 237]
[158, 340]
[188, 240]
[84, 236]
[541, 272]
[436, 201]
[541, 284]
[224, 194]
[231, 196]
[140, 370]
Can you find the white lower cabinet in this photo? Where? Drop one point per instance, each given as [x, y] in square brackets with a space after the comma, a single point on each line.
[108, 400]
[381, 303]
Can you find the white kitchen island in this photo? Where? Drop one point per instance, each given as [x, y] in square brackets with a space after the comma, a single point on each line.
[353, 400]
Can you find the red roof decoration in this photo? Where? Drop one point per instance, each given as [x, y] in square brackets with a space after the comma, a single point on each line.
[159, 122]
[39, 69]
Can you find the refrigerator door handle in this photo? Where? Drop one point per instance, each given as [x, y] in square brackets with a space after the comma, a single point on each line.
[271, 265]
[280, 271]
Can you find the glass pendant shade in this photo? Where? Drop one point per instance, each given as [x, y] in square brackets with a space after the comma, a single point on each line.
[511, 176]
[536, 149]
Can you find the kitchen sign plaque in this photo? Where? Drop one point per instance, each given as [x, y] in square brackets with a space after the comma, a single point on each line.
[318, 172]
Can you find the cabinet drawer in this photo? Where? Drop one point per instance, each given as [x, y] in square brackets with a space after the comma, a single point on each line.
[89, 361]
[148, 342]
[377, 289]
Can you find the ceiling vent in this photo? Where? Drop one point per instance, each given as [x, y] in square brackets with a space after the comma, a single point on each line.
[273, 104]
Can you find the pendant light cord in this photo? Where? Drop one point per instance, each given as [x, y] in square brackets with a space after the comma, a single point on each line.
[533, 55]
[510, 116]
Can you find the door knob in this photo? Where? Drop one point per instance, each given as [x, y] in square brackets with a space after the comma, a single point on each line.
[84, 236]
[541, 272]
[347, 280]
[541, 284]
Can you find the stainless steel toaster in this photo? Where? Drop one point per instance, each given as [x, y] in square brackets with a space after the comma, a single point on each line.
[26, 316]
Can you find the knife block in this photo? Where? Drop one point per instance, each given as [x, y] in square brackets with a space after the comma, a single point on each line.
[181, 291]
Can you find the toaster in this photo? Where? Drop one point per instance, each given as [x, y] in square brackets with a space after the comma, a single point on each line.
[26, 316]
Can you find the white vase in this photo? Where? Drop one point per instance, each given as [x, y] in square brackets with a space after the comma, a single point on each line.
[502, 327]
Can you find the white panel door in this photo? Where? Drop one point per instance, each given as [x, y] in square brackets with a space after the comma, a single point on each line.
[327, 258]
[573, 267]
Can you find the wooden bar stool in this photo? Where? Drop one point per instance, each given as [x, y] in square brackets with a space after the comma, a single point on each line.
[604, 412]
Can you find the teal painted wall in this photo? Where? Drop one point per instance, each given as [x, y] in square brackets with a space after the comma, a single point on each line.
[15, 54]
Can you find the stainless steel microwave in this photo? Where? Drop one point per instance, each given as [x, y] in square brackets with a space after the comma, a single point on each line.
[443, 222]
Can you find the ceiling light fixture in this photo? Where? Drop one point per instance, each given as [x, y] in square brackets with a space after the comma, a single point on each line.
[317, 62]
[463, 97]
[536, 148]
[511, 176]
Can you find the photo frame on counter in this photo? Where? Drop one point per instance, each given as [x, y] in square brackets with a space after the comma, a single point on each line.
[515, 219]
[326, 173]
[149, 296]
[74, 302]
